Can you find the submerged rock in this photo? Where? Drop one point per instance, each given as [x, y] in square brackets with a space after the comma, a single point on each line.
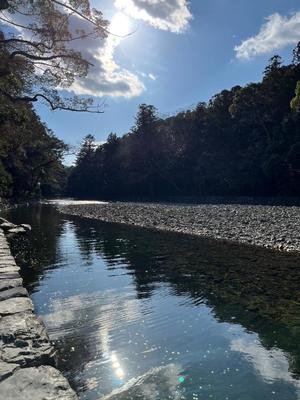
[27, 227]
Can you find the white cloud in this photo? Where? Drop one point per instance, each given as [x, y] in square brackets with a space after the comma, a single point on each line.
[152, 76]
[106, 77]
[171, 15]
[149, 75]
[279, 31]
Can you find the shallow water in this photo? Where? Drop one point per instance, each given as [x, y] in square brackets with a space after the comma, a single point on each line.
[137, 314]
[70, 201]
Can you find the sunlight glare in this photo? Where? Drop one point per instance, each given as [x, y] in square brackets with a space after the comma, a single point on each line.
[120, 25]
[117, 367]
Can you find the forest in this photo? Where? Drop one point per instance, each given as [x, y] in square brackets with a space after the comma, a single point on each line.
[243, 142]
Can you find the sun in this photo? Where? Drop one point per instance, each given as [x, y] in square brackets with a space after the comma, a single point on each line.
[120, 25]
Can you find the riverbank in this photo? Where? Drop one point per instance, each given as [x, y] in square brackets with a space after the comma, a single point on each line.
[276, 227]
[27, 358]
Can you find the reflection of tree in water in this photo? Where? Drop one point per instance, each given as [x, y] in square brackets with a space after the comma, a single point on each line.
[118, 246]
[255, 287]
[38, 251]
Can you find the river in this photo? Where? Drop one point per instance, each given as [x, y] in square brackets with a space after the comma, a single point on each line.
[139, 314]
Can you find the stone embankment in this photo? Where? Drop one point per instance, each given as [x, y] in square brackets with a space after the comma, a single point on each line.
[27, 358]
[276, 227]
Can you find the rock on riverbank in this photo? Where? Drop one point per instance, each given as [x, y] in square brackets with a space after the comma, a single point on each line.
[27, 358]
[276, 227]
[12, 229]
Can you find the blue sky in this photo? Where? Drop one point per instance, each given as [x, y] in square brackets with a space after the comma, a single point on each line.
[179, 53]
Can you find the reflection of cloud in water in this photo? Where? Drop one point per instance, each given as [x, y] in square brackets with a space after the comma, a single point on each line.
[98, 312]
[272, 365]
[101, 315]
[158, 383]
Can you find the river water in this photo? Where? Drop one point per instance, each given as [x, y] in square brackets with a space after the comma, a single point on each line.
[138, 314]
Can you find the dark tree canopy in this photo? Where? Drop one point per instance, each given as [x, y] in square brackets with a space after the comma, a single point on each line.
[30, 154]
[244, 141]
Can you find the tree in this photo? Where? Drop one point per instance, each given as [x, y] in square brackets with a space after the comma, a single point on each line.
[145, 119]
[81, 180]
[30, 154]
[296, 54]
[295, 103]
[38, 50]
[248, 107]
[144, 166]
[275, 64]
[86, 150]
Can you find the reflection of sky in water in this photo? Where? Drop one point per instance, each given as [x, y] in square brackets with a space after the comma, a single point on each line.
[118, 342]
[68, 202]
[271, 365]
[139, 349]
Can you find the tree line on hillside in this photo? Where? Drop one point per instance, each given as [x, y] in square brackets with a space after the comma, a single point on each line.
[244, 141]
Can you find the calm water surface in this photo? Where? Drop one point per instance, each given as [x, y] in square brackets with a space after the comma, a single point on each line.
[136, 314]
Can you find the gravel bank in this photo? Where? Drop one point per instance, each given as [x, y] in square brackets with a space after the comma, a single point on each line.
[276, 227]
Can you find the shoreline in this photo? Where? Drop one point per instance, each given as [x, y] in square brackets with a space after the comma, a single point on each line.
[27, 357]
[275, 227]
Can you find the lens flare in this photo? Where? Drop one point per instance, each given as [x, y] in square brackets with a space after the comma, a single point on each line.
[120, 25]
